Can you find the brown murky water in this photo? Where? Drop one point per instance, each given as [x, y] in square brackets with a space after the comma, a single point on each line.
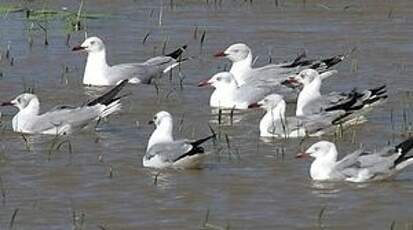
[101, 184]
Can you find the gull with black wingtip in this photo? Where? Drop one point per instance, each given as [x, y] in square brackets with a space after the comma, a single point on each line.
[359, 166]
[165, 152]
[62, 119]
[99, 73]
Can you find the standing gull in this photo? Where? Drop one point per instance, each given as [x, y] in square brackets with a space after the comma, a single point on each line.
[99, 73]
[62, 119]
[165, 152]
[359, 166]
[241, 56]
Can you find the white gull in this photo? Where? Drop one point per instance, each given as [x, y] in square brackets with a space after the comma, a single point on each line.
[99, 73]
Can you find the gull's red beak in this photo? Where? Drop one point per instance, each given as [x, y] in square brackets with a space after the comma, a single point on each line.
[302, 155]
[204, 83]
[78, 48]
[8, 103]
[292, 81]
[254, 105]
[220, 54]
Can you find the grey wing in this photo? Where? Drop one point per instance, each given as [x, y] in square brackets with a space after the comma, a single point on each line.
[316, 106]
[322, 121]
[251, 93]
[271, 73]
[349, 161]
[126, 71]
[77, 117]
[169, 152]
[383, 158]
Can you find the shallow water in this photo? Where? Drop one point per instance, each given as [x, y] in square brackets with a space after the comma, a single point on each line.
[254, 185]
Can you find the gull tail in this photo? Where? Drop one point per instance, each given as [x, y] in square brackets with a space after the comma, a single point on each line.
[403, 148]
[110, 96]
[177, 53]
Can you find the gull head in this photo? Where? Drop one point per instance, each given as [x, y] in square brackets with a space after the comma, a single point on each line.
[222, 79]
[161, 117]
[269, 102]
[22, 101]
[320, 149]
[236, 52]
[91, 44]
[305, 77]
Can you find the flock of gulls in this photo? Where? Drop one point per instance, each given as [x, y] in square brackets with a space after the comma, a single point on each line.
[270, 88]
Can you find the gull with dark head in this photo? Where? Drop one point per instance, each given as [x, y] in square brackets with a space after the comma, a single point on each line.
[359, 166]
[62, 119]
[165, 152]
[99, 73]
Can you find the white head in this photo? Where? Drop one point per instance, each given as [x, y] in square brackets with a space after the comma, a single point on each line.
[161, 118]
[23, 101]
[305, 77]
[90, 45]
[236, 52]
[219, 80]
[164, 128]
[320, 150]
[269, 102]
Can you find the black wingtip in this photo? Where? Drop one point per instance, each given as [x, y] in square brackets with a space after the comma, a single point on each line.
[201, 141]
[333, 60]
[109, 96]
[177, 53]
[404, 148]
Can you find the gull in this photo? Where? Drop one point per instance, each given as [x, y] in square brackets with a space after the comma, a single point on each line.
[241, 56]
[61, 120]
[275, 124]
[310, 101]
[99, 73]
[165, 152]
[228, 94]
[359, 166]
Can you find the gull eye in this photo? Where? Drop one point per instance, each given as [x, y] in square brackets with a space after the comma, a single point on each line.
[92, 42]
[219, 78]
[19, 100]
[154, 118]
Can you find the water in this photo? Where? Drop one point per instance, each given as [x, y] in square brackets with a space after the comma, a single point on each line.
[255, 185]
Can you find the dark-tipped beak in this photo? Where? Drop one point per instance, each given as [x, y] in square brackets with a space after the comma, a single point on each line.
[254, 105]
[302, 155]
[204, 83]
[78, 48]
[8, 103]
[220, 54]
[292, 81]
[151, 122]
